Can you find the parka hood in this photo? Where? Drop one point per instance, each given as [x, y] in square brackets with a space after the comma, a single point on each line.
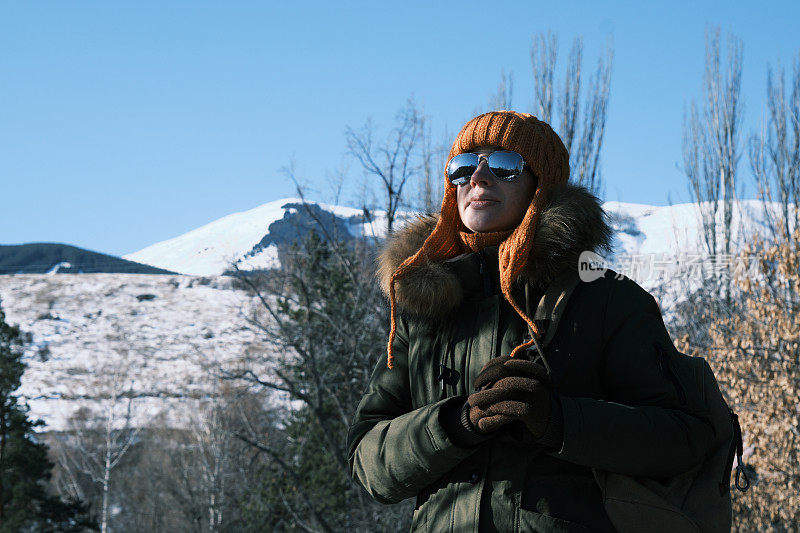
[573, 221]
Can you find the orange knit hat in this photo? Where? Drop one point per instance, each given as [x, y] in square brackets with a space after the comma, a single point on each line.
[544, 154]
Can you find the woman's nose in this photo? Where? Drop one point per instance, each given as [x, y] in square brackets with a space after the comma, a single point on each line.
[482, 175]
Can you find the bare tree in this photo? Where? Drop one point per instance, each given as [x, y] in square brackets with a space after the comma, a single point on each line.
[394, 160]
[775, 153]
[96, 442]
[433, 161]
[207, 472]
[203, 469]
[505, 91]
[569, 95]
[711, 147]
[544, 52]
[324, 318]
[581, 115]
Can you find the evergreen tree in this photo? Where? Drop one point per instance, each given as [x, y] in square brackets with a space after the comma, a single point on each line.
[327, 323]
[25, 504]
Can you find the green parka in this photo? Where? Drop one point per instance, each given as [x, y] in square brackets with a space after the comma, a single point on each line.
[620, 404]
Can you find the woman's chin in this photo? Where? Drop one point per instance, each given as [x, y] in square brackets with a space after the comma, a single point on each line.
[486, 219]
[481, 226]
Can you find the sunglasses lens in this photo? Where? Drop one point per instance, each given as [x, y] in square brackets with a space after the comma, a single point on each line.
[507, 166]
[461, 168]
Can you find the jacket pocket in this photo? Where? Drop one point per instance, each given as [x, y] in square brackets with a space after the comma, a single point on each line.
[562, 501]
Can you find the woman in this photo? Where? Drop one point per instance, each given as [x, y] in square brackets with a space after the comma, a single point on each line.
[492, 421]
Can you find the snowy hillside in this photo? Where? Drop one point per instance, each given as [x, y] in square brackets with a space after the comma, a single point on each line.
[661, 246]
[645, 229]
[164, 337]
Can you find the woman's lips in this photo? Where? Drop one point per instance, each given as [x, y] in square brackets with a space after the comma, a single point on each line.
[482, 203]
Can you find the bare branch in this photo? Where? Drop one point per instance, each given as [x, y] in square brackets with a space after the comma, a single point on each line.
[544, 52]
[393, 161]
[581, 114]
[291, 473]
[711, 147]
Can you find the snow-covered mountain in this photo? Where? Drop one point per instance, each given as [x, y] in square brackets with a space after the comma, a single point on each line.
[252, 239]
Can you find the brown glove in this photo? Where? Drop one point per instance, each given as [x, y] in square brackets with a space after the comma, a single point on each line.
[527, 398]
[507, 366]
[511, 389]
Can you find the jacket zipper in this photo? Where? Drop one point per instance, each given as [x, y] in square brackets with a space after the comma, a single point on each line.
[484, 271]
[666, 369]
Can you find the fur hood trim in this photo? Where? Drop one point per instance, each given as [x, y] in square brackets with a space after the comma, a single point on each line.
[573, 221]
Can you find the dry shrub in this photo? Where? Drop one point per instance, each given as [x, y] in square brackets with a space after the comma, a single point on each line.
[754, 349]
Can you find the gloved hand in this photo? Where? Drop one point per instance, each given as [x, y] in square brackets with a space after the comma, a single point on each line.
[511, 389]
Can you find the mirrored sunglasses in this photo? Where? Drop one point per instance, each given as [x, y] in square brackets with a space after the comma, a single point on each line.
[504, 165]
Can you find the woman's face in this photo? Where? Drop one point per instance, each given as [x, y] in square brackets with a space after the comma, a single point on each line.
[487, 204]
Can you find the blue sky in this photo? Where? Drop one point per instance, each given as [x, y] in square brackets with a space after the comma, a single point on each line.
[126, 123]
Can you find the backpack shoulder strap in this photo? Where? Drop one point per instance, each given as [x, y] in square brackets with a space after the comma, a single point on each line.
[554, 302]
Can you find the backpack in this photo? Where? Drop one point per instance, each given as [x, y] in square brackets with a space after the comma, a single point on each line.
[696, 501]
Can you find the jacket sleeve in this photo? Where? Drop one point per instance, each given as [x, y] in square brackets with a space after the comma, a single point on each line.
[643, 426]
[396, 451]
